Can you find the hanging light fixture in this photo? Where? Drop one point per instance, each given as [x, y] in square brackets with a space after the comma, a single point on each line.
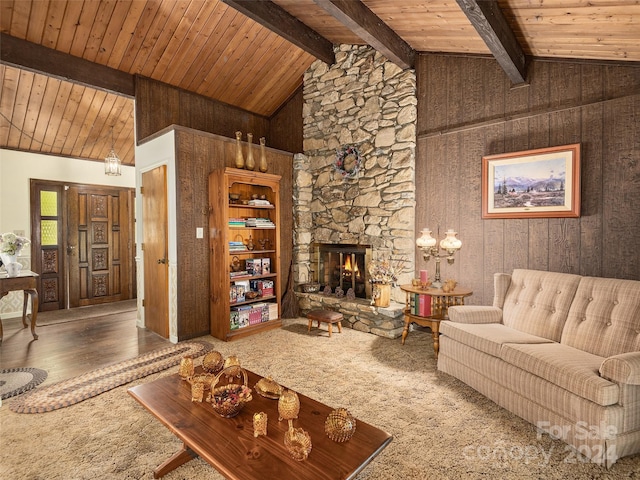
[112, 162]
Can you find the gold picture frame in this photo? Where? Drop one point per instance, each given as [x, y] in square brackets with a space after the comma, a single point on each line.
[540, 183]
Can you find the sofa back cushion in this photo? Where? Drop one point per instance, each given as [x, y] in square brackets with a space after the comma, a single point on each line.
[604, 318]
[538, 302]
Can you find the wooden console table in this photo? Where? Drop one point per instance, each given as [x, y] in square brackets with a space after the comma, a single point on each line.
[25, 281]
[440, 303]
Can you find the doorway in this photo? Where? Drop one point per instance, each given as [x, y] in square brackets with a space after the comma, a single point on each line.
[82, 243]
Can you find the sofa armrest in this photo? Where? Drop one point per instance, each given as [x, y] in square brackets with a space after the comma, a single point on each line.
[475, 314]
[623, 368]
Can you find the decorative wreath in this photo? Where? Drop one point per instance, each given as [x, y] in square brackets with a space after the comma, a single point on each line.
[348, 161]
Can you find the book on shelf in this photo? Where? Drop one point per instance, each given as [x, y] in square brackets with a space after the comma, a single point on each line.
[259, 222]
[266, 287]
[241, 273]
[245, 315]
[236, 246]
[425, 305]
[259, 202]
[253, 266]
[236, 293]
[234, 319]
[420, 304]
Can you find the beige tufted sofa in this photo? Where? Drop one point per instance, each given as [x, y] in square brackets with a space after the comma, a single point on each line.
[561, 351]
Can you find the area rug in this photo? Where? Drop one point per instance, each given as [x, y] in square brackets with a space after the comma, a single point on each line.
[74, 390]
[14, 381]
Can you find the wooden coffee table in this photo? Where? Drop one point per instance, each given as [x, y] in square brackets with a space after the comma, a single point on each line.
[229, 446]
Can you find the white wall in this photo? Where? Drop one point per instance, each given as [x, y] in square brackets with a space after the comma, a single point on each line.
[18, 168]
[152, 154]
[16, 171]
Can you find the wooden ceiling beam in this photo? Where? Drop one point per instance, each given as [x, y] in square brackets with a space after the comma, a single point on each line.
[492, 26]
[36, 58]
[369, 27]
[281, 22]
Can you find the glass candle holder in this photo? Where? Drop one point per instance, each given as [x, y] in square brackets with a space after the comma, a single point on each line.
[259, 424]
[197, 391]
[186, 368]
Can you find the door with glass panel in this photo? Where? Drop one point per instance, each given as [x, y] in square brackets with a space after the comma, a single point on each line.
[47, 240]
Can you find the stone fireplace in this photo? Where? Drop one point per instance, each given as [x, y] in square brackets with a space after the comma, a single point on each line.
[365, 101]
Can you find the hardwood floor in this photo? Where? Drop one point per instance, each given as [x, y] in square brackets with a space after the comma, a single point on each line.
[72, 342]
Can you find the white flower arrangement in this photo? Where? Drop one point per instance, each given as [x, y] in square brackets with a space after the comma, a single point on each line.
[11, 244]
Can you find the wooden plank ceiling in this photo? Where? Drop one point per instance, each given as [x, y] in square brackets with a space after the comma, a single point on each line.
[215, 49]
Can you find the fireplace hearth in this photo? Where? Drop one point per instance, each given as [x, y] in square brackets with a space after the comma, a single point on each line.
[343, 266]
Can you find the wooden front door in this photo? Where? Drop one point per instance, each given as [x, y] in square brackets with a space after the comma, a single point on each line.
[99, 245]
[48, 243]
[156, 273]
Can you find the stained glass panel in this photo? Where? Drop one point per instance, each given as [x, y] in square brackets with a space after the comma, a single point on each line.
[48, 203]
[49, 232]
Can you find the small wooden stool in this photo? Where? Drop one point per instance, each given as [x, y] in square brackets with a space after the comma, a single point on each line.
[327, 316]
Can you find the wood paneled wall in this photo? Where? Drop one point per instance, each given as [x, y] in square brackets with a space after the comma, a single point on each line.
[467, 109]
[159, 105]
[285, 126]
[198, 154]
[208, 143]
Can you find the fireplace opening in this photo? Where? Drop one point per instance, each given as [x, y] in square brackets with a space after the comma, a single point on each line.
[343, 266]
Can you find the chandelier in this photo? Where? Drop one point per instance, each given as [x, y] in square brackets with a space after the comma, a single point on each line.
[112, 163]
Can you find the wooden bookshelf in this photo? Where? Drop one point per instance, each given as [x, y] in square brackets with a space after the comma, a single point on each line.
[264, 240]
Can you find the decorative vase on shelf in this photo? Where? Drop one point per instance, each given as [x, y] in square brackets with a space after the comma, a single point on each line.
[250, 164]
[239, 156]
[263, 155]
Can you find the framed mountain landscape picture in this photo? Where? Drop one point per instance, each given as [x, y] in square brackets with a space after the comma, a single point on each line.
[532, 184]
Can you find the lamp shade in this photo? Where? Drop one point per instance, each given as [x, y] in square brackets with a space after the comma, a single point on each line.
[426, 240]
[450, 242]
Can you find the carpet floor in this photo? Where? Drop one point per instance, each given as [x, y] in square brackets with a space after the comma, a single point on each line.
[441, 428]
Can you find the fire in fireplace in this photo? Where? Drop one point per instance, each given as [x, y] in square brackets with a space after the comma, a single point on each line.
[343, 266]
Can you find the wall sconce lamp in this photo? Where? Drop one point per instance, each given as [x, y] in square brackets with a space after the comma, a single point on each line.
[112, 163]
[450, 244]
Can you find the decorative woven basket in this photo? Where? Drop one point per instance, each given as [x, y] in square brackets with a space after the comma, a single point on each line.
[340, 425]
[298, 443]
[213, 362]
[310, 287]
[228, 400]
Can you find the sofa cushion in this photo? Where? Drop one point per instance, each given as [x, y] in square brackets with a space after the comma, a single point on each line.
[604, 318]
[537, 302]
[565, 366]
[487, 337]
